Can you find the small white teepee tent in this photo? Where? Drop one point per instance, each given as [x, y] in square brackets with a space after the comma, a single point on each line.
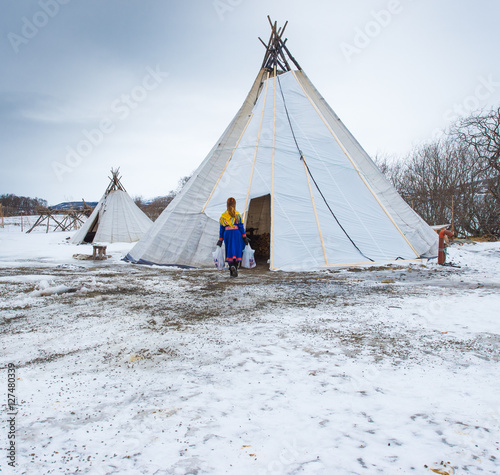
[116, 218]
[299, 178]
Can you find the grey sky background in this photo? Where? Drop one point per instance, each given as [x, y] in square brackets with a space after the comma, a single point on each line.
[395, 71]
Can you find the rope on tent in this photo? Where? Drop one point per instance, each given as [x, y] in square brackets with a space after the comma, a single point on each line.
[312, 177]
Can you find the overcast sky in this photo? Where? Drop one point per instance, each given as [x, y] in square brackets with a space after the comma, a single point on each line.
[150, 85]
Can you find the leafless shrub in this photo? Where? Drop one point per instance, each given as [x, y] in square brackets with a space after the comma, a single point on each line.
[154, 207]
[455, 179]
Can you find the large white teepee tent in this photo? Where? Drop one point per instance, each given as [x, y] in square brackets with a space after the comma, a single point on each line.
[116, 218]
[296, 173]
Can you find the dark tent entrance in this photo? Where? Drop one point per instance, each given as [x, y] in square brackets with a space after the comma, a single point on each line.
[258, 227]
[89, 237]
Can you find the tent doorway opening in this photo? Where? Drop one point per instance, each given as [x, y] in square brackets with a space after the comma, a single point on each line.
[89, 237]
[258, 227]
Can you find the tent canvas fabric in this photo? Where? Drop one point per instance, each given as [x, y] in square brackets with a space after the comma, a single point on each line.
[116, 218]
[297, 173]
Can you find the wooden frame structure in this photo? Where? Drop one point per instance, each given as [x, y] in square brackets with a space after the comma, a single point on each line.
[70, 220]
[67, 220]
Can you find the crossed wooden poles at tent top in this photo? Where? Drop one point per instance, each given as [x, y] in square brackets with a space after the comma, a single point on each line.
[277, 54]
[115, 183]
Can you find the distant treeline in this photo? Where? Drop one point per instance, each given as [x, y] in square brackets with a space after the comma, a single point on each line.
[454, 179]
[13, 205]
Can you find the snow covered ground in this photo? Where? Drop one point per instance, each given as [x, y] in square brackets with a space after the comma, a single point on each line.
[17, 224]
[149, 370]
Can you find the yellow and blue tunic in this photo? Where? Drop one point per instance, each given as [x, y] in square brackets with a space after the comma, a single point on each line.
[232, 232]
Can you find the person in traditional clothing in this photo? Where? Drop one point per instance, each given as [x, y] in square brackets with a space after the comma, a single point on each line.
[232, 232]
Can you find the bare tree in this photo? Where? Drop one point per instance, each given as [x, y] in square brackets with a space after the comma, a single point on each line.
[394, 170]
[182, 181]
[428, 180]
[153, 208]
[443, 183]
[480, 132]
[139, 201]
[156, 206]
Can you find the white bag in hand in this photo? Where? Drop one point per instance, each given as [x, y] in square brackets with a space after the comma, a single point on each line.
[218, 255]
[248, 259]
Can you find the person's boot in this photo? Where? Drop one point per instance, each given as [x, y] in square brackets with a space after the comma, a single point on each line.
[233, 269]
